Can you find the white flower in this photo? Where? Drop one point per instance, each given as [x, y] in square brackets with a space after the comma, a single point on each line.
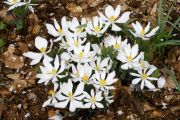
[83, 54]
[161, 82]
[29, 5]
[51, 99]
[57, 30]
[129, 56]
[93, 100]
[112, 17]
[115, 42]
[50, 72]
[14, 4]
[68, 96]
[78, 29]
[143, 32]
[144, 76]
[101, 65]
[96, 27]
[41, 45]
[76, 42]
[107, 97]
[72, 42]
[83, 73]
[104, 83]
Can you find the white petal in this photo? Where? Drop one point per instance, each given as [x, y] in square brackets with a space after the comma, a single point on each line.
[51, 30]
[115, 28]
[40, 42]
[87, 105]
[149, 84]
[109, 11]
[147, 27]
[62, 104]
[134, 51]
[136, 81]
[161, 82]
[152, 32]
[99, 105]
[47, 102]
[124, 18]
[117, 11]
[142, 84]
[125, 66]
[56, 24]
[79, 89]
[56, 63]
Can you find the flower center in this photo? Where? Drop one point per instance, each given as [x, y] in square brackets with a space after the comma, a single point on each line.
[93, 99]
[85, 78]
[97, 29]
[129, 58]
[14, 1]
[53, 72]
[142, 64]
[112, 18]
[144, 76]
[102, 83]
[142, 32]
[75, 43]
[117, 46]
[60, 30]
[51, 92]
[43, 50]
[81, 55]
[79, 30]
[70, 95]
[97, 68]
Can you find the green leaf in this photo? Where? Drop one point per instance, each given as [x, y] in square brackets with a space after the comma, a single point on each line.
[160, 12]
[19, 24]
[155, 73]
[20, 11]
[2, 42]
[169, 42]
[2, 26]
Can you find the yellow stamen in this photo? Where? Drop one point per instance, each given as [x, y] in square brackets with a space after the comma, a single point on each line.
[144, 76]
[81, 55]
[112, 18]
[51, 92]
[79, 30]
[102, 82]
[97, 68]
[43, 50]
[53, 72]
[142, 32]
[129, 58]
[97, 29]
[85, 78]
[142, 64]
[60, 30]
[70, 95]
[75, 43]
[14, 1]
[117, 46]
[93, 99]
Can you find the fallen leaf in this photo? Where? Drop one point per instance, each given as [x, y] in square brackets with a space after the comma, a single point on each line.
[10, 60]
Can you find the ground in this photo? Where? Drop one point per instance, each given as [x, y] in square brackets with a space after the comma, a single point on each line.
[22, 98]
